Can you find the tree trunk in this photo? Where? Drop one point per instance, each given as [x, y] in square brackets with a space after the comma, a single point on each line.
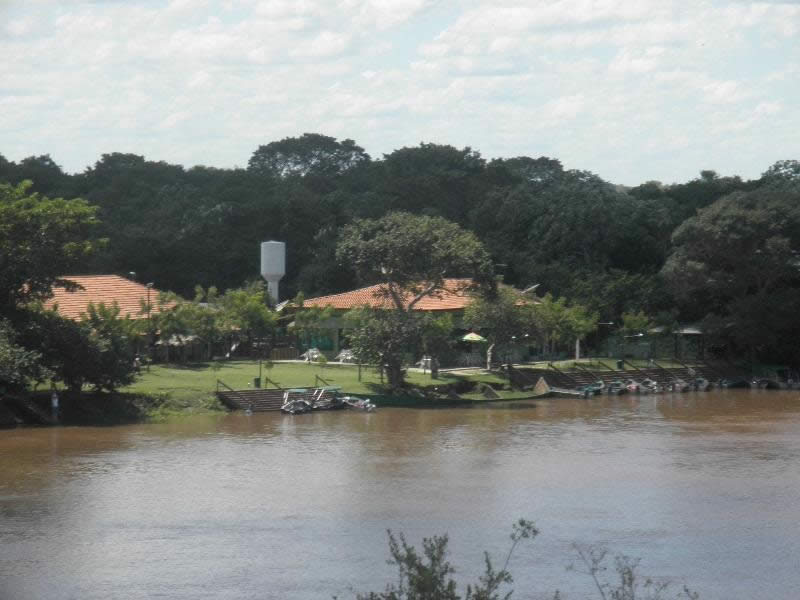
[577, 348]
[434, 367]
[489, 357]
[394, 373]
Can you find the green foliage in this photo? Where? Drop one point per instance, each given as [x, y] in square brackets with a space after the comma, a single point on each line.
[18, 365]
[46, 238]
[736, 265]
[437, 334]
[412, 255]
[599, 244]
[557, 322]
[241, 314]
[246, 311]
[383, 337]
[429, 576]
[111, 347]
[97, 350]
[309, 154]
[635, 322]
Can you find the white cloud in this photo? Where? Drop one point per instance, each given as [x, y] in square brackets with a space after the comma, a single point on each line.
[326, 43]
[596, 83]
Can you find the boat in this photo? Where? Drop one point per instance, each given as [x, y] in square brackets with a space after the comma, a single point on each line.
[295, 403]
[296, 407]
[734, 382]
[679, 385]
[701, 384]
[592, 389]
[364, 404]
[633, 387]
[650, 386]
[770, 384]
[616, 388]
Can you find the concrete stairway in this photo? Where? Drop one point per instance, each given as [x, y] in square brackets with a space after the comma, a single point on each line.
[263, 400]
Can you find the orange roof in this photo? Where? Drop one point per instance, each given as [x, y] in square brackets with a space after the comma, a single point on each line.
[454, 296]
[102, 288]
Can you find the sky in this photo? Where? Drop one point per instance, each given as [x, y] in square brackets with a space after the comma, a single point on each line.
[633, 90]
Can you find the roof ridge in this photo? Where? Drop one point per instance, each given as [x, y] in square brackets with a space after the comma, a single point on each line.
[375, 285]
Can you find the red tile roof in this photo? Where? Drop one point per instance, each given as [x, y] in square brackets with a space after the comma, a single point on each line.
[454, 296]
[106, 289]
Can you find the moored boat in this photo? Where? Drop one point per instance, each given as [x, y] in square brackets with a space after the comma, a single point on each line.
[364, 404]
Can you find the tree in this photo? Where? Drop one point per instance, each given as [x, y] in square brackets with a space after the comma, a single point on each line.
[433, 179]
[580, 323]
[411, 256]
[98, 350]
[437, 338]
[428, 576]
[41, 239]
[556, 322]
[312, 321]
[18, 365]
[499, 319]
[736, 265]
[383, 337]
[788, 170]
[635, 322]
[246, 313]
[112, 340]
[309, 154]
[557, 228]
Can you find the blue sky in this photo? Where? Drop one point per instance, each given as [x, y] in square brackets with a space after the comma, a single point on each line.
[632, 90]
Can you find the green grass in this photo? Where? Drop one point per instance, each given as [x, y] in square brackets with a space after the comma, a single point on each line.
[193, 383]
[190, 387]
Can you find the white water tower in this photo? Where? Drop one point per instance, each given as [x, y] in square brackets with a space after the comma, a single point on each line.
[273, 266]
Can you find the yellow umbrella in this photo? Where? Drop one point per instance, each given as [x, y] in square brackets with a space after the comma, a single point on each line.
[473, 337]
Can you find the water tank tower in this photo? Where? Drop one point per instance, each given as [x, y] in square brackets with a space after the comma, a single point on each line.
[273, 266]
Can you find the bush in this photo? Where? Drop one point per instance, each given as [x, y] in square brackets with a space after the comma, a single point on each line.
[429, 576]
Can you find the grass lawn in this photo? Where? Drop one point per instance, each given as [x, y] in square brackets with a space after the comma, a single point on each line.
[192, 386]
[188, 383]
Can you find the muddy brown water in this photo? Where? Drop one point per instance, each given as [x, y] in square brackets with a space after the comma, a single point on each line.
[705, 488]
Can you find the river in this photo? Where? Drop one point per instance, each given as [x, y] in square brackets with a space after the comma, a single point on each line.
[705, 488]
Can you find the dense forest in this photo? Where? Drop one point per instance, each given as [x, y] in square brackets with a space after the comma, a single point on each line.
[717, 250]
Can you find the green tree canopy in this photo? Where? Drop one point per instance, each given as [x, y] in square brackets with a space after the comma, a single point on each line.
[41, 239]
[737, 263]
[412, 255]
[309, 154]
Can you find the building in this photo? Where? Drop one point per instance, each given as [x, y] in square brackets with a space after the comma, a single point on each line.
[453, 299]
[129, 295]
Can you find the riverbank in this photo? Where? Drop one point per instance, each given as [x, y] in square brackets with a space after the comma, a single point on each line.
[169, 391]
[165, 392]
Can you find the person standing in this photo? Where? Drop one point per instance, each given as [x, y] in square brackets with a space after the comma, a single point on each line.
[54, 404]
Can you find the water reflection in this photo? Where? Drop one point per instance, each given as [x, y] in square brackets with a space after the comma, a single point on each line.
[701, 485]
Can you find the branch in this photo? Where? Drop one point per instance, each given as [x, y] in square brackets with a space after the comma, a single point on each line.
[431, 287]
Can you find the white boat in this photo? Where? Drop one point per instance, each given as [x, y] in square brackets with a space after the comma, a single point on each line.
[359, 403]
[295, 403]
